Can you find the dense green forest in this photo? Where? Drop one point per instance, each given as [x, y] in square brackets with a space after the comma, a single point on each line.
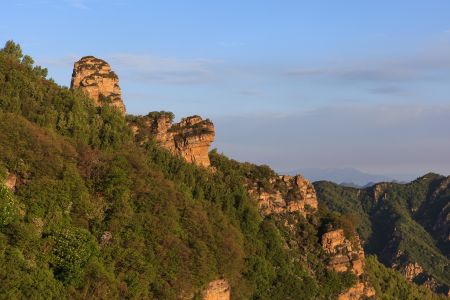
[96, 215]
[400, 222]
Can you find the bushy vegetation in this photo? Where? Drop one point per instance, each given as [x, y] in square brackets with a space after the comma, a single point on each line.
[95, 215]
[390, 285]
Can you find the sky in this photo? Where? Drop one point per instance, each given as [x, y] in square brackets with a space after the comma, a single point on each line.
[291, 84]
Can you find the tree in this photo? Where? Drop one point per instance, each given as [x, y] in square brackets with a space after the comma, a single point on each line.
[12, 49]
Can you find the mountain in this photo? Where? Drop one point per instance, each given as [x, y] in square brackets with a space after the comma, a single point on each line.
[407, 226]
[95, 204]
[348, 176]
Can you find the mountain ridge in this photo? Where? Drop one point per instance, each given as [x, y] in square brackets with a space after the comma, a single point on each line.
[349, 176]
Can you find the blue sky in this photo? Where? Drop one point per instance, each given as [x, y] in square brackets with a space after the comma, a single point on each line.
[292, 84]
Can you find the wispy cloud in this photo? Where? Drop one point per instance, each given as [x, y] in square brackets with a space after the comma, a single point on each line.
[79, 4]
[389, 90]
[59, 62]
[380, 138]
[423, 65]
[250, 93]
[155, 69]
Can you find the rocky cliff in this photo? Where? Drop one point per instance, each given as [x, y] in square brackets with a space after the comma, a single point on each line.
[190, 138]
[346, 255]
[95, 78]
[284, 193]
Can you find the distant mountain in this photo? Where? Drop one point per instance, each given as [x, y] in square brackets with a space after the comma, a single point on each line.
[347, 176]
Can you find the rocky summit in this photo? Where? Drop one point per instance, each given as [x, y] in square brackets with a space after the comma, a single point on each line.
[189, 139]
[96, 79]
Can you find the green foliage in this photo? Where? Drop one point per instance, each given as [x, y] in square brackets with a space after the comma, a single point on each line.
[348, 202]
[8, 207]
[391, 285]
[24, 90]
[71, 250]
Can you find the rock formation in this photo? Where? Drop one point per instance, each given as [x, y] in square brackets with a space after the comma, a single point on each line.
[379, 191]
[361, 290]
[411, 271]
[94, 77]
[217, 290]
[346, 255]
[190, 138]
[11, 182]
[284, 194]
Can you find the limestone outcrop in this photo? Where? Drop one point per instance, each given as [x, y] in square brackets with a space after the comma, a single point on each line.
[190, 138]
[346, 255]
[284, 194]
[96, 79]
[217, 290]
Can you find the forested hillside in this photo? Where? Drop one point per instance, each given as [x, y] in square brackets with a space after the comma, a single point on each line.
[86, 212]
[405, 225]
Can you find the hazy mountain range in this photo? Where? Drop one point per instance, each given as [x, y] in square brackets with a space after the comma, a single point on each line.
[349, 176]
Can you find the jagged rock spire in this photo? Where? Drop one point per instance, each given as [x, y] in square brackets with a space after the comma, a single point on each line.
[95, 77]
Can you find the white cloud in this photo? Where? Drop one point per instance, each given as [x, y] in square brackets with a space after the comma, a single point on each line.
[429, 63]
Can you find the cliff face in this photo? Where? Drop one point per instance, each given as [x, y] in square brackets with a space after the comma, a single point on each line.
[95, 78]
[284, 194]
[346, 255]
[190, 138]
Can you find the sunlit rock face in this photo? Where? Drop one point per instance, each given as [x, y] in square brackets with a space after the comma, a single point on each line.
[189, 139]
[96, 79]
[284, 194]
[346, 255]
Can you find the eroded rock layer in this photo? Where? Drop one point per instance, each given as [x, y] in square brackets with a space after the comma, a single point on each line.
[95, 78]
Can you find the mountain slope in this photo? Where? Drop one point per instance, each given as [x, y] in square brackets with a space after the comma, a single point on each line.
[88, 212]
[406, 225]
